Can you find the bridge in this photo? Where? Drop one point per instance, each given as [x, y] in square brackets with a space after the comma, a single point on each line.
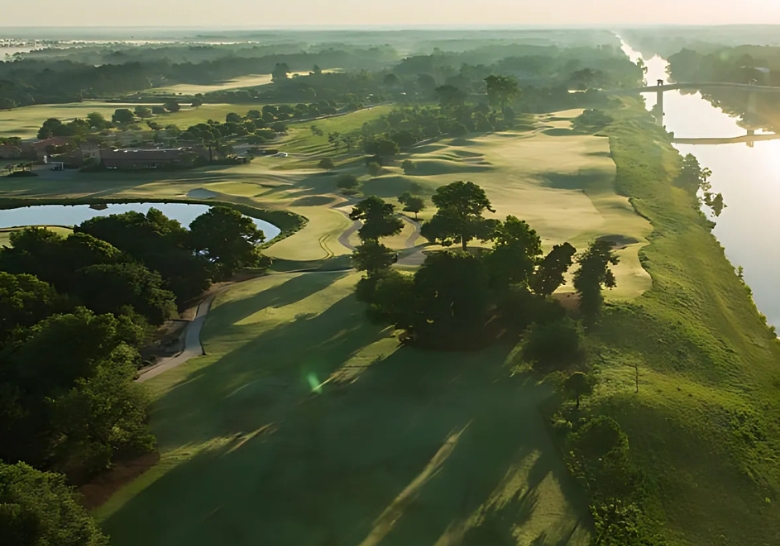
[751, 89]
[661, 88]
[750, 139]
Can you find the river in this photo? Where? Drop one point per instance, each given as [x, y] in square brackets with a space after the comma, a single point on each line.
[748, 178]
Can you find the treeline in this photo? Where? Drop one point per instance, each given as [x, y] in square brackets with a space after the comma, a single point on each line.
[29, 81]
[546, 69]
[74, 312]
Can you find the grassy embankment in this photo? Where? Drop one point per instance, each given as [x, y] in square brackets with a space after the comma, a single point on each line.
[704, 426]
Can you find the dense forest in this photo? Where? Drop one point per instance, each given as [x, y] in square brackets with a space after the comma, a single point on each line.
[78, 73]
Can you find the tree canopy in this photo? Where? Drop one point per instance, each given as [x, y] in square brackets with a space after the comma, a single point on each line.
[227, 238]
[594, 274]
[460, 216]
[378, 219]
[40, 509]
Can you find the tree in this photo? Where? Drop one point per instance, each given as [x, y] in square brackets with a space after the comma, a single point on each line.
[197, 103]
[381, 146]
[232, 117]
[159, 110]
[97, 121]
[501, 90]
[515, 254]
[412, 203]
[578, 385]
[280, 73]
[316, 71]
[143, 112]
[110, 288]
[39, 508]
[123, 115]
[459, 219]
[24, 301]
[549, 276]
[378, 219]
[326, 164]
[334, 139]
[172, 105]
[552, 345]
[347, 182]
[409, 167]
[316, 131]
[593, 274]
[373, 258]
[450, 299]
[227, 238]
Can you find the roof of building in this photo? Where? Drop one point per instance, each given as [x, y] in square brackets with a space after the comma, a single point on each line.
[53, 141]
[151, 154]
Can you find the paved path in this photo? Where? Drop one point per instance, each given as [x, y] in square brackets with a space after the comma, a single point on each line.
[192, 346]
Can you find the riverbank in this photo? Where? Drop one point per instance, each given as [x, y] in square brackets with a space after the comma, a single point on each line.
[703, 428]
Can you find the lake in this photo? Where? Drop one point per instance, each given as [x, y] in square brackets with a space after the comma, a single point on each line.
[71, 215]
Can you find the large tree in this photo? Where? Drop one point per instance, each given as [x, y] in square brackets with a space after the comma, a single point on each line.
[515, 254]
[40, 509]
[373, 258]
[460, 217]
[227, 238]
[123, 115]
[378, 219]
[593, 275]
[450, 299]
[549, 276]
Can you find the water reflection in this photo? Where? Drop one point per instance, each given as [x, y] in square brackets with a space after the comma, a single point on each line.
[747, 176]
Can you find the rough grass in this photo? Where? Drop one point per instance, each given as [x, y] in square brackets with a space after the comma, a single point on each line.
[306, 424]
[704, 426]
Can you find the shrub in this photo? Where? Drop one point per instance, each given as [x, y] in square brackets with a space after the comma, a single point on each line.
[553, 346]
[409, 167]
[374, 169]
[347, 182]
[326, 164]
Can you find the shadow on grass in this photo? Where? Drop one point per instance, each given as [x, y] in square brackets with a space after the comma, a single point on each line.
[290, 291]
[420, 443]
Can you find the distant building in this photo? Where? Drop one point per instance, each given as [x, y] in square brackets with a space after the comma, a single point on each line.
[153, 158]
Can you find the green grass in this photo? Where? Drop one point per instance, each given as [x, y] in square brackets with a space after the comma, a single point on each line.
[704, 426]
[308, 425]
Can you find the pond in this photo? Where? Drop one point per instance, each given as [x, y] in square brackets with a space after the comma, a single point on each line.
[72, 215]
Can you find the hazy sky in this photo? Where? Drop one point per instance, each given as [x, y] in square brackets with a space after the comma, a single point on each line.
[287, 13]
